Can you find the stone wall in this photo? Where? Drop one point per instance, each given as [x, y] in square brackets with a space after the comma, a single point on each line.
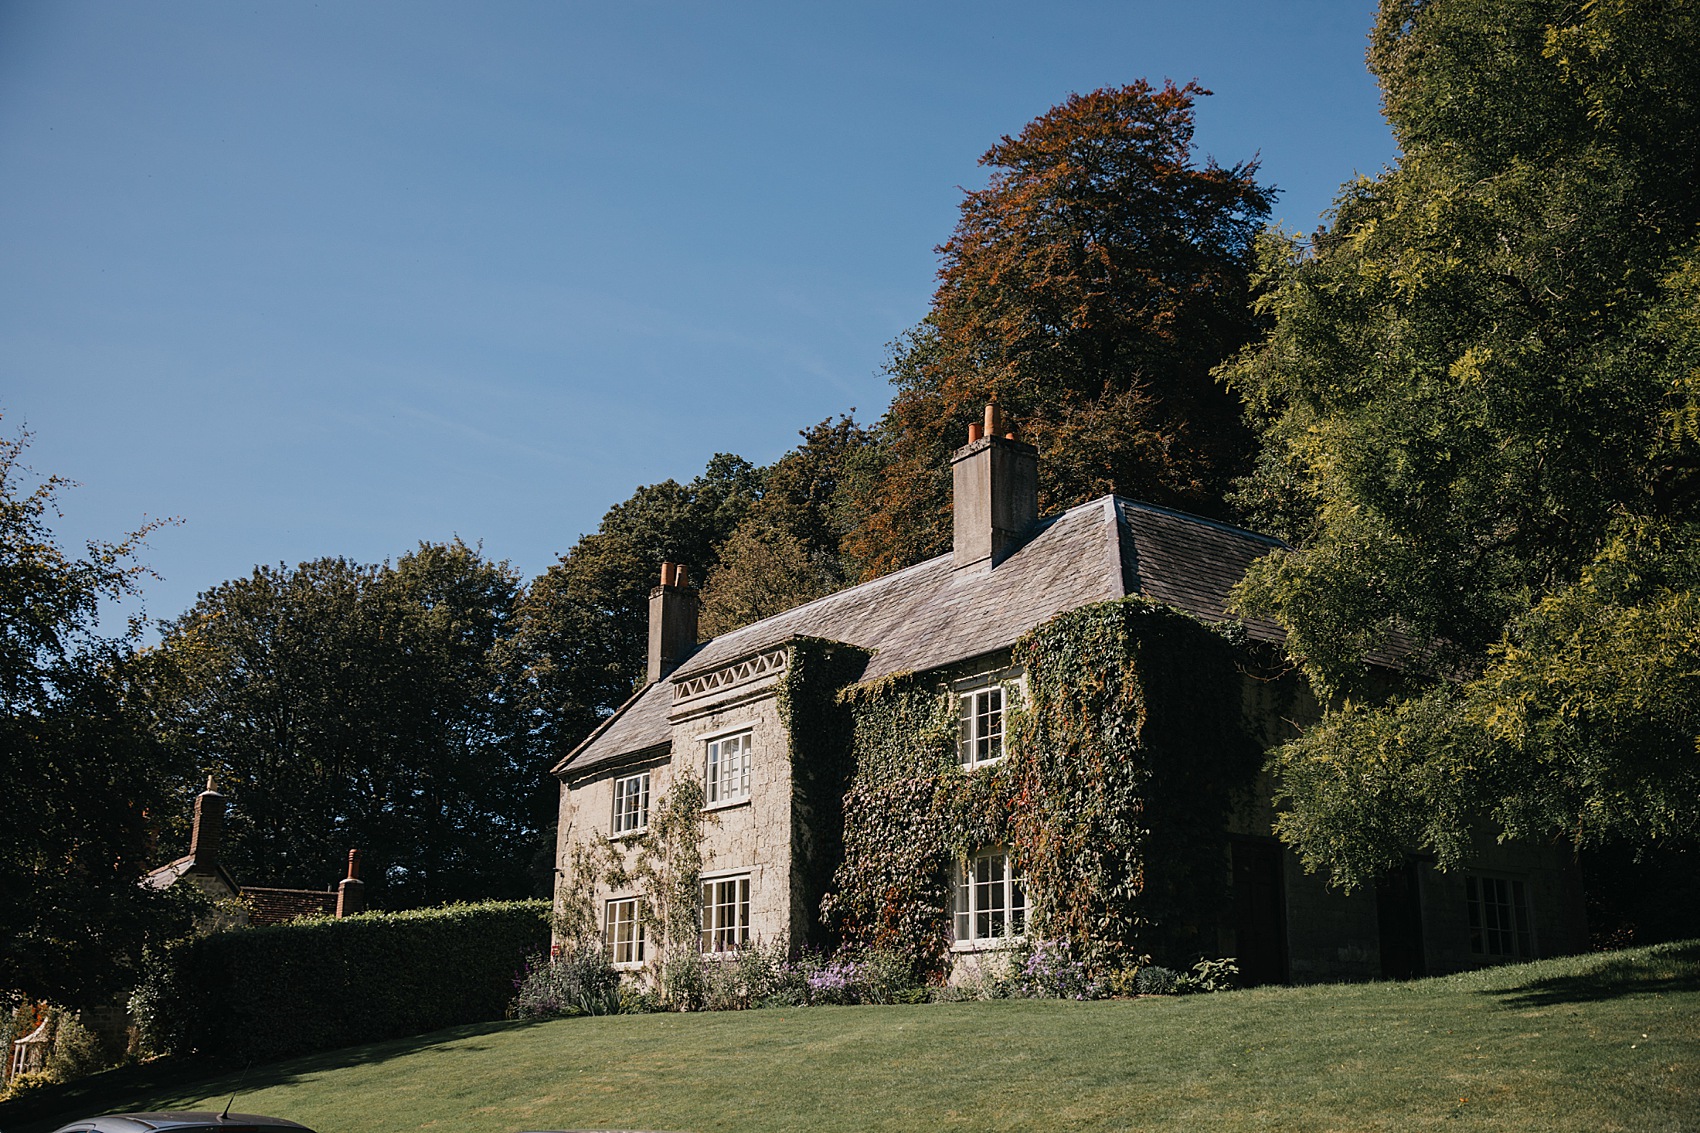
[750, 836]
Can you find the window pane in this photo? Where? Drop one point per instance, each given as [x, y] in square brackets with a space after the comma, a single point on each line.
[988, 724]
[961, 903]
[1500, 925]
[725, 914]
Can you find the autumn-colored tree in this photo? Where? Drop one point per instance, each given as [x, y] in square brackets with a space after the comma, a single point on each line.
[1089, 288]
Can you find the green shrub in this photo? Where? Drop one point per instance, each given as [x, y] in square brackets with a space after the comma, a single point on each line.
[575, 981]
[79, 1051]
[1213, 975]
[310, 985]
[1156, 980]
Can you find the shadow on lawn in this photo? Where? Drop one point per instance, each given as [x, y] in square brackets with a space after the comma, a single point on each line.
[177, 1083]
[1671, 967]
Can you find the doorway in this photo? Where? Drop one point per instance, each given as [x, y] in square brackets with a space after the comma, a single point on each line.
[1260, 911]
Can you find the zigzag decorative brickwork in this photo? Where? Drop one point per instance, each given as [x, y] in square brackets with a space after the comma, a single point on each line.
[741, 672]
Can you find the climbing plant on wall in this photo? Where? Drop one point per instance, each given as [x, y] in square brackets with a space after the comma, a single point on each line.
[819, 726]
[1128, 758]
[1123, 764]
[664, 863]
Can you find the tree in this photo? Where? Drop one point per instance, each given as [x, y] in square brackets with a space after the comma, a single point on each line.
[1089, 289]
[787, 549]
[84, 781]
[346, 705]
[1477, 407]
[581, 629]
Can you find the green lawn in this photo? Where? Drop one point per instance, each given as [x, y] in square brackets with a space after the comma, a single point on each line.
[1596, 1043]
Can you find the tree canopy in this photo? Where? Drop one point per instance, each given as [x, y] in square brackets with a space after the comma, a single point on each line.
[581, 629]
[346, 705]
[1477, 414]
[1089, 288]
[84, 781]
[788, 549]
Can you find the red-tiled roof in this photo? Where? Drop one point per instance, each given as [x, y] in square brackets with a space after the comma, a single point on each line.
[275, 906]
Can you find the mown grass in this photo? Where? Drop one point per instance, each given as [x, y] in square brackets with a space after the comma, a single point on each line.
[1598, 1043]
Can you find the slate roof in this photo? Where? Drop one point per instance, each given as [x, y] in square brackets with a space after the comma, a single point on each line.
[931, 615]
[172, 872]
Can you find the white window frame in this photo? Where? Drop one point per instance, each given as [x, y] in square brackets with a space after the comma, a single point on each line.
[1500, 916]
[980, 733]
[988, 902]
[728, 758]
[622, 932]
[629, 819]
[725, 913]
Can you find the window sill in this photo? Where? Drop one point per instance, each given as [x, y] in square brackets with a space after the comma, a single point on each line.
[970, 768]
[625, 834]
[629, 966]
[989, 944]
[727, 804]
[724, 955]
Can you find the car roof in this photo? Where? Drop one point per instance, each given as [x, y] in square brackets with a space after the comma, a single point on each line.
[177, 1119]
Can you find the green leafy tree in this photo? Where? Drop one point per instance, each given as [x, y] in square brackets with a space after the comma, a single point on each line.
[1477, 408]
[1089, 289]
[581, 629]
[84, 782]
[788, 548]
[346, 705]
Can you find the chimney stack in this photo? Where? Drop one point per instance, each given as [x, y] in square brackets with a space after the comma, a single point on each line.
[207, 833]
[351, 894]
[672, 621]
[996, 492]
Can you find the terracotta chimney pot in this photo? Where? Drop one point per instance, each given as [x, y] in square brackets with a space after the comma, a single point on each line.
[995, 493]
[673, 609]
[351, 894]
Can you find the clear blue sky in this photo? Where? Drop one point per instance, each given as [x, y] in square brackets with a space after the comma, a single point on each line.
[331, 279]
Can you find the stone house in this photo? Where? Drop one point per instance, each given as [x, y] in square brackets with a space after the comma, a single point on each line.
[788, 813]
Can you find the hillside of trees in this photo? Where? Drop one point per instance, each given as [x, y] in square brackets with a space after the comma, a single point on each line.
[1470, 402]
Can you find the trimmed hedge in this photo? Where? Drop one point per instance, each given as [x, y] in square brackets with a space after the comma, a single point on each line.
[262, 993]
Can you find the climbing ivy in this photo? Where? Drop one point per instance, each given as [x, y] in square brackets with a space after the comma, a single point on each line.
[1128, 758]
[1123, 763]
[664, 863]
[818, 725]
[668, 866]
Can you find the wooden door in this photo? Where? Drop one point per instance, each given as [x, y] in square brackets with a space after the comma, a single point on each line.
[1260, 912]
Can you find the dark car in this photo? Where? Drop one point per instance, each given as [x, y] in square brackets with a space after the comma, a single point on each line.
[179, 1121]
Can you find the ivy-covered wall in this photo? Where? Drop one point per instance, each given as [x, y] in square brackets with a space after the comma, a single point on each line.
[819, 732]
[1123, 763]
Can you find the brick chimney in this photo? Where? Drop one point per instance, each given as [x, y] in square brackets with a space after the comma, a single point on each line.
[351, 894]
[207, 834]
[672, 621]
[996, 492]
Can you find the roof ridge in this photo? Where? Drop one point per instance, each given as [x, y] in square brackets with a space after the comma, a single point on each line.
[1039, 527]
[1205, 520]
[1118, 552]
